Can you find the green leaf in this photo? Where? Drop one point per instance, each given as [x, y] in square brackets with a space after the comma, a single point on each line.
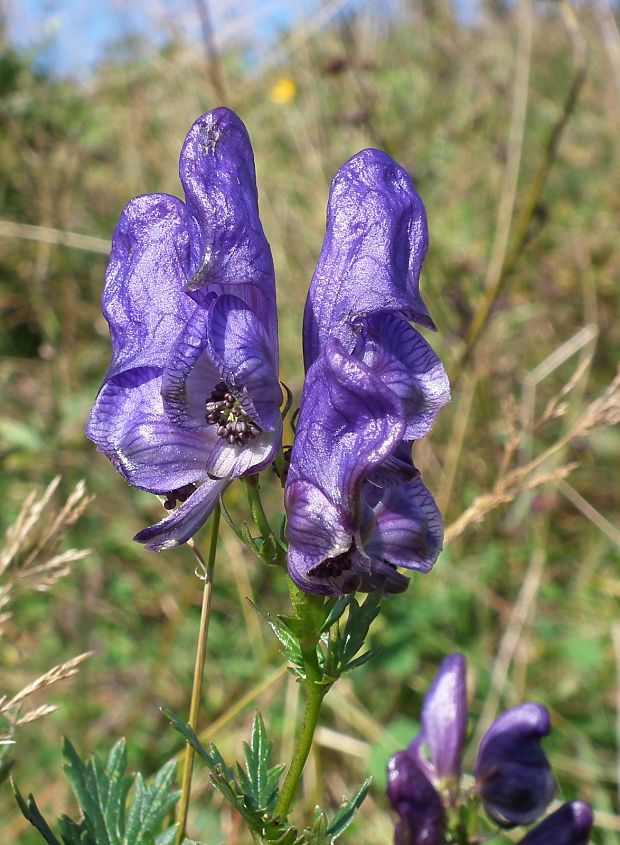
[260, 784]
[151, 804]
[101, 793]
[318, 834]
[336, 611]
[30, 811]
[363, 658]
[345, 814]
[288, 638]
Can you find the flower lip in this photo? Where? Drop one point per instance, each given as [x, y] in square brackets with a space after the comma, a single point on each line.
[513, 775]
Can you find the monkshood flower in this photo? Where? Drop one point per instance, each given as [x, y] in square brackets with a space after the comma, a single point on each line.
[512, 774]
[570, 825]
[356, 506]
[191, 397]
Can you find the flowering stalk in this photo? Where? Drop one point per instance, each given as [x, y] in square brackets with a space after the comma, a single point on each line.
[201, 651]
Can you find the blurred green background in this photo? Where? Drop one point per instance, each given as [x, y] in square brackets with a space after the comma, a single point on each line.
[509, 127]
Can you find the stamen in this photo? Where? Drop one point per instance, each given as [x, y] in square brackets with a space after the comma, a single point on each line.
[225, 411]
[332, 567]
[178, 496]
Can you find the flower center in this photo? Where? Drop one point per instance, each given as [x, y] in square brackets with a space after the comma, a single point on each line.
[332, 567]
[224, 411]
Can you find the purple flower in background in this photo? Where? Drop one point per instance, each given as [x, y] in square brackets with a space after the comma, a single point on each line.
[513, 776]
[443, 723]
[570, 825]
[191, 397]
[422, 816]
[356, 506]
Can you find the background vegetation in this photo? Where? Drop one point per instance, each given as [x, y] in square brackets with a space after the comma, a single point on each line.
[515, 153]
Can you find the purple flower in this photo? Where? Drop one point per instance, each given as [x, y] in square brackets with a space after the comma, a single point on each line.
[422, 816]
[191, 397]
[513, 776]
[356, 506]
[570, 825]
[443, 723]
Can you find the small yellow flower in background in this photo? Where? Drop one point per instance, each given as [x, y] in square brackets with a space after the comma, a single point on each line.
[283, 90]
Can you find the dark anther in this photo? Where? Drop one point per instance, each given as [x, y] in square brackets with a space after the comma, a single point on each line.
[332, 567]
[224, 411]
[178, 496]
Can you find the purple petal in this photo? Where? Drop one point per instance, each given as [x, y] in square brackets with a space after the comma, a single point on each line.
[349, 422]
[570, 825]
[222, 341]
[375, 242]
[190, 374]
[229, 248]
[128, 424]
[244, 355]
[186, 519]
[400, 355]
[422, 817]
[397, 469]
[231, 461]
[143, 299]
[409, 529]
[314, 528]
[513, 775]
[444, 721]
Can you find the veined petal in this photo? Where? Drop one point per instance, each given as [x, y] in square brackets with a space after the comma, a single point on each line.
[349, 422]
[186, 519]
[409, 530]
[444, 721]
[230, 251]
[315, 532]
[375, 242]
[243, 354]
[513, 775]
[128, 424]
[190, 374]
[143, 299]
[570, 825]
[399, 354]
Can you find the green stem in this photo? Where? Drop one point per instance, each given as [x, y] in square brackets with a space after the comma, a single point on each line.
[315, 693]
[272, 551]
[201, 651]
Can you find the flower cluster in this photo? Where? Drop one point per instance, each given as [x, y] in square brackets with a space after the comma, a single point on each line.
[513, 779]
[357, 508]
[191, 397]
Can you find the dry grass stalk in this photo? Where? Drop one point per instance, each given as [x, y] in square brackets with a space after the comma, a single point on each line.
[52, 676]
[30, 559]
[602, 412]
